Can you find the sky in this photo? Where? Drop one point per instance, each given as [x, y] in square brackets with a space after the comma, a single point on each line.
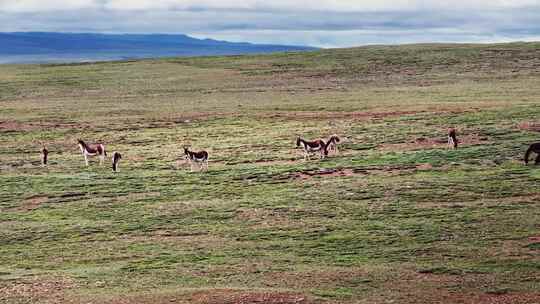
[321, 23]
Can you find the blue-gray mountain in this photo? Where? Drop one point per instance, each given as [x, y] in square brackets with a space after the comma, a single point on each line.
[42, 47]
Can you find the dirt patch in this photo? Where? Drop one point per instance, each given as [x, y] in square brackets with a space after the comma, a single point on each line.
[267, 162]
[515, 250]
[534, 239]
[433, 143]
[275, 162]
[441, 288]
[529, 126]
[489, 298]
[333, 115]
[341, 172]
[36, 291]
[332, 278]
[16, 126]
[33, 202]
[238, 297]
[425, 166]
[325, 172]
[218, 296]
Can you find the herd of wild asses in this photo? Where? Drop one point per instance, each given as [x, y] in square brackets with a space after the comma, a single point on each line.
[200, 158]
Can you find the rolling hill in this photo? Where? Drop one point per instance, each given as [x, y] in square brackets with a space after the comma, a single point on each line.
[395, 217]
[39, 47]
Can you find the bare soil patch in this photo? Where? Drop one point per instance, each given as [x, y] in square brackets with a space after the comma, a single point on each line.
[317, 279]
[237, 297]
[268, 162]
[491, 298]
[275, 162]
[534, 239]
[15, 126]
[33, 202]
[324, 172]
[39, 290]
[529, 126]
[218, 296]
[515, 250]
[343, 172]
[333, 115]
[440, 288]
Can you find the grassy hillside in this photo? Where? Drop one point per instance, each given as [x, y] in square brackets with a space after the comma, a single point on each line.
[396, 217]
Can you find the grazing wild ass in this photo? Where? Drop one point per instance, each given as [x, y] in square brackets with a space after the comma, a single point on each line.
[92, 150]
[331, 144]
[194, 158]
[452, 138]
[44, 156]
[116, 157]
[312, 147]
[533, 148]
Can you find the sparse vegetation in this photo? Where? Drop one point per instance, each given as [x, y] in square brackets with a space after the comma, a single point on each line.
[395, 217]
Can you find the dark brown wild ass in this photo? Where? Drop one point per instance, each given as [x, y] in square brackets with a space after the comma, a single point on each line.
[197, 158]
[331, 144]
[535, 147]
[312, 147]
[92, 150]
[452, 138]
[116, 157]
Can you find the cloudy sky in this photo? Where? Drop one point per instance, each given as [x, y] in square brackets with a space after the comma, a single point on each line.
[323, 23]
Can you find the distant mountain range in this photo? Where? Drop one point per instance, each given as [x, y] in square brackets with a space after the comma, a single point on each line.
[46, 47]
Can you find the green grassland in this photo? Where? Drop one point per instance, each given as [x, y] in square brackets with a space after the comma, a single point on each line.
[396, 217]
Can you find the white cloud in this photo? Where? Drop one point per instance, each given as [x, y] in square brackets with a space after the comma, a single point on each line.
[258, 5]
[21, 6]
[327, 23]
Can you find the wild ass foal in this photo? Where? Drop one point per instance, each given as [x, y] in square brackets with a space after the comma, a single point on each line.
[200, 158]
[44, 156]
[312, 147]
[533, 148]
[115, 160]
[331, 144]
[452, 138]
[92, 150]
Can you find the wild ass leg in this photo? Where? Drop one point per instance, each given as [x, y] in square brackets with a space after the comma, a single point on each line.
[537, 161]
[101, 159]
[85, 159]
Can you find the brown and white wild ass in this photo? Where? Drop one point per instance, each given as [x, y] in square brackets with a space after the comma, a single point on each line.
[115, 161]
[452, 138]
[312, 147]
[92, 150]
[194, 158]
[533, 148]
[331, 144]
[44, 156]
